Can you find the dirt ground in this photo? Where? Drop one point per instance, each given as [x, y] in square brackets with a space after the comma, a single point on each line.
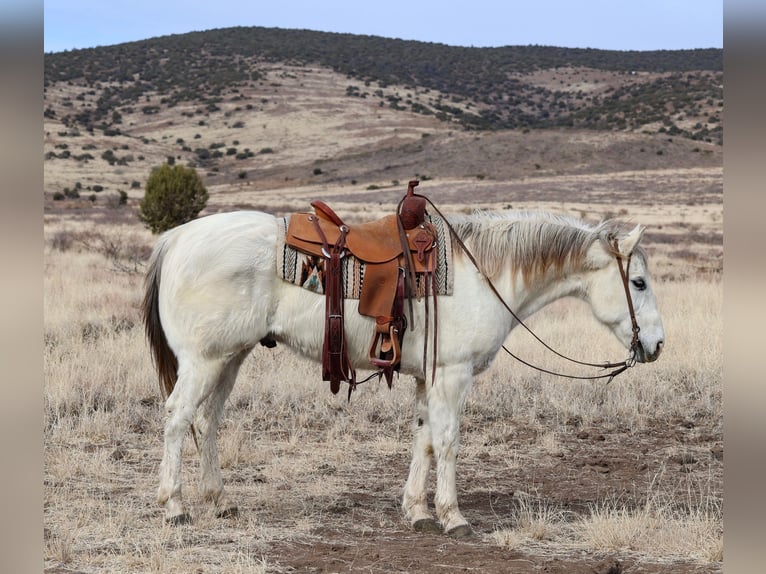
[592, 463]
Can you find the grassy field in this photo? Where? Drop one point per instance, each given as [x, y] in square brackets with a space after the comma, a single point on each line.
[553, 472]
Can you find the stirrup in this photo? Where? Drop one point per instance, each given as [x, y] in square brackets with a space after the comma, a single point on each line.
[384, 339]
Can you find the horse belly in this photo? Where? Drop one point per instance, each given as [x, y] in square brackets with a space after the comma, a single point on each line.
[299, 322]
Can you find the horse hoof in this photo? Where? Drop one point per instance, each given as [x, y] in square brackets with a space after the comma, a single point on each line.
[428, 525]
[231, 512]
[462, 531]
[179, 519]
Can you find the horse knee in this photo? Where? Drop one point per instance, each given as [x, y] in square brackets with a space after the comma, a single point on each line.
[445, 443]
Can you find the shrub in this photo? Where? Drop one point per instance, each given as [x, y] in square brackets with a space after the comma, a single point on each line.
[174, 195]
[109, 156]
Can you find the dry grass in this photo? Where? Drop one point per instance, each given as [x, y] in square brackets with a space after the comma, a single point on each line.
[661, 528]
[292, 453]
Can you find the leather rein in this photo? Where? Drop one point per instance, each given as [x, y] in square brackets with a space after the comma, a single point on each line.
[617, 368]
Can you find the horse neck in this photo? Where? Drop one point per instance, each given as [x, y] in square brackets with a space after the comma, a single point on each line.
[533, 258]
[548, 265]
[530, 297]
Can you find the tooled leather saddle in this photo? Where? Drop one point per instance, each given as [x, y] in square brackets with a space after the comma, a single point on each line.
[393, 249]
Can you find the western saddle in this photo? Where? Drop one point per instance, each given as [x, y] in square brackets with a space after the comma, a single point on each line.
[393, 249]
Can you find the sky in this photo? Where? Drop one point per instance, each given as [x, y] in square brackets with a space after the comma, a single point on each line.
[603, 24]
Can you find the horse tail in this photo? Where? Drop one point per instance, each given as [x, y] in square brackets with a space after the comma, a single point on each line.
[164, 358]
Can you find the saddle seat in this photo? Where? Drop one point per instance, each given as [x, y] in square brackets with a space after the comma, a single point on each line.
[391, 248]
[372, 242]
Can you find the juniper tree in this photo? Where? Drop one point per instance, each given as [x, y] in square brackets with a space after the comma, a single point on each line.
[173, 195]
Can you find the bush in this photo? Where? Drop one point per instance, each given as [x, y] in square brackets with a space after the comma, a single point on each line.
[174, 195]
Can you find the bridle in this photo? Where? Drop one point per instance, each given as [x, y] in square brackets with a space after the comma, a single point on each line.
[624, 274]
[617, 368]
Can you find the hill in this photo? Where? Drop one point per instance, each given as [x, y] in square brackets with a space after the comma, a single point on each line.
[480, 88]
[272, 109]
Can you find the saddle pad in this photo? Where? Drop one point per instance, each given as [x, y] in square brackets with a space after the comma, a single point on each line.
[307, 271]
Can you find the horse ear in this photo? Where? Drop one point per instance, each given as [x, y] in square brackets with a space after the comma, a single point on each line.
[628, 243]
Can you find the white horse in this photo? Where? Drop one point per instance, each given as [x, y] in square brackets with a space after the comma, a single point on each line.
[212, 294]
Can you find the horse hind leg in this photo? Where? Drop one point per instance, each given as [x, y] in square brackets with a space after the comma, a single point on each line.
[196, 380]
[206, 424]
[415, 499]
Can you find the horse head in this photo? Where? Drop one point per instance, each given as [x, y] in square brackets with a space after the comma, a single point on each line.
[608, 296]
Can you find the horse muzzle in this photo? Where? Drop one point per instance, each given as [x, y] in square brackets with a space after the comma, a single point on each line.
[645, 356]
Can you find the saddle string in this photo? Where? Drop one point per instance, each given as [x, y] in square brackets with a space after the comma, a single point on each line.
[618, 367]
[410, 273]
[338, 364]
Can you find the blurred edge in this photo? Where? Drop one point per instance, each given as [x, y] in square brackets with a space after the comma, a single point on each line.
[744, 281]
[21, 65]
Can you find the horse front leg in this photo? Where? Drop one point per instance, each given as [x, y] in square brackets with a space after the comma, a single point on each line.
[415, 499]
[446, 398]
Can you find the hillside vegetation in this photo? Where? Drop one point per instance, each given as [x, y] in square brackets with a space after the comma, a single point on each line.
[679, 92]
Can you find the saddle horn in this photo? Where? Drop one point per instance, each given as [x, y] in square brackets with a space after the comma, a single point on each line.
[413, 209]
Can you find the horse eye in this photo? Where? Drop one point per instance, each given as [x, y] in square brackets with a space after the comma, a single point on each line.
[639, 283]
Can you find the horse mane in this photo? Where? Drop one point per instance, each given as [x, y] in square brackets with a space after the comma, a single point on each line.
[533, 241]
